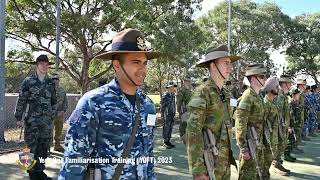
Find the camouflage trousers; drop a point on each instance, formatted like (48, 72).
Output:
(167, 127)
(223, 170)
(282, 145)
(291, 143)
(58, 125)
(266, 159)
(38, 135)
(248, 168)
(298, 131)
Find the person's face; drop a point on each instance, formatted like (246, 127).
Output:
(187, 83)
(172, 89)
(43, 67)
(286, 87)
(303, 87)
(135, 64)
(296, 97)
(275, 91)
(224, 65)
(260, 79)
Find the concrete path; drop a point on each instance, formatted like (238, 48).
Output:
(307, 166)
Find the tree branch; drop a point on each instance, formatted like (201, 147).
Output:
(20, 12)
(104, 48)
(99, 74)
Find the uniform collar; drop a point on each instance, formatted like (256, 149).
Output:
(210, 82)
(254, 92)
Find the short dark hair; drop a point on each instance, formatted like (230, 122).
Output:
(249, 78)
(118, 57)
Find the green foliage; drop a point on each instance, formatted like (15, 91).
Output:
(86, 27)
(256, 28)
(304, 46)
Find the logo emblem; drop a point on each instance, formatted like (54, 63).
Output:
(26, 160)
(141, 44)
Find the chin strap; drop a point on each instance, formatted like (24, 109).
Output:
(259, 81)
(125, 72)
(218, 70)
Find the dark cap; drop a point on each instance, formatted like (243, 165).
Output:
(43, 58)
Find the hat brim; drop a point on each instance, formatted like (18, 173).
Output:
(108, 55)
(204, 63)
(171, 86)
(50, 63)
(285, 80)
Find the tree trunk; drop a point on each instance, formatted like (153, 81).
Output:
(314, 76)
(85, 75)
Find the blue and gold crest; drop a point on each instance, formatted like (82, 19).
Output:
(26, 160)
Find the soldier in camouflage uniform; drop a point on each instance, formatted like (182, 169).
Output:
(283, 125)
(104, 118)
(183, 98)
(302, 85)
(62, 106)
(208, 110)
(168, 111)
(295, 119)
(270, 140)
(249, 117)
(37, 99)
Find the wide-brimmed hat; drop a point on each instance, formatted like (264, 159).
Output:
(285, 78)
(255, 69)
(294, 90)
(55, 76)
(170, 84)
(42, 58)
(128, 41)
(214, 53)
(302, 81)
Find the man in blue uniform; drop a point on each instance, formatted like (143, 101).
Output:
(103, 124)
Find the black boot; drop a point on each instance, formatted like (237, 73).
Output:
(43, 176)
(172, 145)
(167, 145)
(288, 157)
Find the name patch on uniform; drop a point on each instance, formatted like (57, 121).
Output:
(233, 102)
(151, 119)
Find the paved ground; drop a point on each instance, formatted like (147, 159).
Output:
(307, 166)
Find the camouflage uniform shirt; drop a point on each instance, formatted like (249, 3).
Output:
(207, 110)
(41, 97)
(62, 102)
(250, 112)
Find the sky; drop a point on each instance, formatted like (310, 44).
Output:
(289, 7)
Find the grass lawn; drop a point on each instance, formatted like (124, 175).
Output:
(155, 98)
